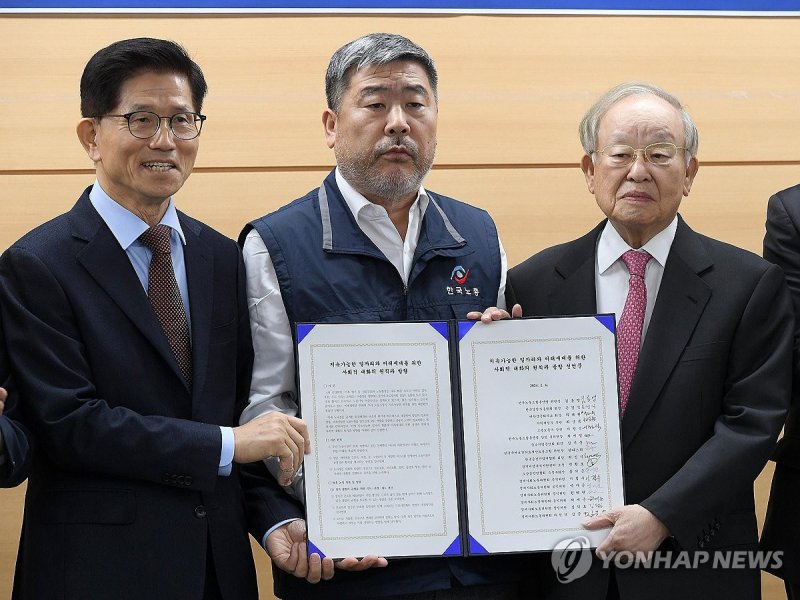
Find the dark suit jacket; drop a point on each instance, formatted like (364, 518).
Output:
(124, 499)
(15, 437)
(16, 449)
(782, 525)
(706, 404)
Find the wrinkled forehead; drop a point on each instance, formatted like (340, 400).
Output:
(395, 71)
(641, 115)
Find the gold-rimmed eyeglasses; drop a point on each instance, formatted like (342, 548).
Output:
(144, 124)
(622, 155)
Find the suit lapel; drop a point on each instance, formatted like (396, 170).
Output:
(109, 265)
(199, 277)
(574, 292)
(682, 298)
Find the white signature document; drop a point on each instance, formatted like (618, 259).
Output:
(458, 438)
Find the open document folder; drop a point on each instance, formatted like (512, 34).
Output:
(458, 438)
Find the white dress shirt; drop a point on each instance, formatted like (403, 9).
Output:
(612, 276)
(273, 384)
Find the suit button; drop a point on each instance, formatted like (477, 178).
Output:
(200, 512)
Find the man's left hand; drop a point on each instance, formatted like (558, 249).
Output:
(633, 529)
(495, 314)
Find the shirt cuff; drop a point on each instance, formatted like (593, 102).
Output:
(273, 528)
(226, 454)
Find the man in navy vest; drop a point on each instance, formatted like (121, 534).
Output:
(370, 244)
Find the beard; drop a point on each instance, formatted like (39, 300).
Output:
(359, 168)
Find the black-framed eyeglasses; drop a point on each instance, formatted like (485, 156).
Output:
(622, 155)
(144, 124)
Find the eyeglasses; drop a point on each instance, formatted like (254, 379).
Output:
(144, 124)
(622, 155)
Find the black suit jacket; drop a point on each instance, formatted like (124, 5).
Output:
(17, 452)
(15, 437)
(782, 525)
(706, 404)
(124, 499)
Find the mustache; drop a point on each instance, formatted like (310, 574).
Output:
(407, 143)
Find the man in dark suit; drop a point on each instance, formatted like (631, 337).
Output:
(704, 344)
(131, 346)
(782, 525)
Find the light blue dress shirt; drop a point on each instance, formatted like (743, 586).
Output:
(127, 227)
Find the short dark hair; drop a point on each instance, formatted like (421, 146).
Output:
(109, 68)
(369, 50)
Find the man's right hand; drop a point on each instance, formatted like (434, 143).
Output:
(286, 547)
(274, 434)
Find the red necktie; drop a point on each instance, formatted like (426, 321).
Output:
(629, 332)
(165, 297)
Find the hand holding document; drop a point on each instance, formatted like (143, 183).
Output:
(287, 548)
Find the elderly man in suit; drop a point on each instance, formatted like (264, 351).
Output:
(132, 348)
(704, 352)
(782, 525)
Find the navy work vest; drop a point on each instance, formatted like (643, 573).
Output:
(330, 271)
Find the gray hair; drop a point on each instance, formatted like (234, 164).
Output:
(591, 120)
(372, 49)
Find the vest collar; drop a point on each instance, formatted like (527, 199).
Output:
(341, 233)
